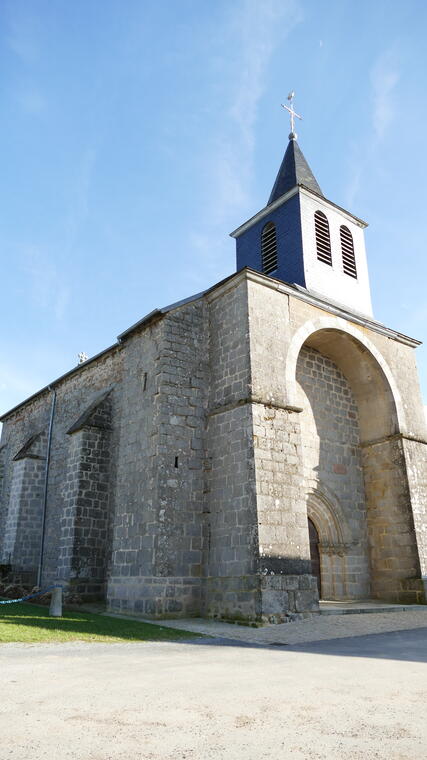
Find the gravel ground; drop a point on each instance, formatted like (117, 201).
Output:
(361, 698)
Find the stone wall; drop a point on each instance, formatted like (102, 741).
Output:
(381, 372)
(73, 395)
(232, 587)
(415, 453)
(332, 464)
(284, 552)
(84, 540)
(158, 531)
(395, 559)
(195, 501)
(18, 429)
(23, 530)
(3, 505)
(287, 586)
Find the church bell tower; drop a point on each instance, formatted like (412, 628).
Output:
(304, 239)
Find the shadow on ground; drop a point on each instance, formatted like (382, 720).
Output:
(23, 622)
(409, 645)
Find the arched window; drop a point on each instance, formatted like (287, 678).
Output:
(347, 251)
(323, 238)
(269, 248)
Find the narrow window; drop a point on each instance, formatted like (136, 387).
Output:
(176, 462)
(323, 238)
(347, 250)
(144, 381)
(269, 248)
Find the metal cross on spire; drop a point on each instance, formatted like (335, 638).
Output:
(293, 135)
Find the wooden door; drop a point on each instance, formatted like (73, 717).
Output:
(314, 553)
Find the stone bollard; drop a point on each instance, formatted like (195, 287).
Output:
(55, 609)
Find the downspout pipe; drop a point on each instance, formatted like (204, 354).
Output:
(46, 480)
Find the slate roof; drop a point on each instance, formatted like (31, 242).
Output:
(293, 171)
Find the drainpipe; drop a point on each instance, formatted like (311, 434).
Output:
(46, 478)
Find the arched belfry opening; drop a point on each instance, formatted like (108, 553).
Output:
(354, 472)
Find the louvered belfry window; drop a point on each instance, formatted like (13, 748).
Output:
(347, 250)
(269, 248)
(323, 238)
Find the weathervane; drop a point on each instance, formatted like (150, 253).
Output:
(293, 135)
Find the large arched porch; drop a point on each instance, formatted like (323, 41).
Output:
(354, 468)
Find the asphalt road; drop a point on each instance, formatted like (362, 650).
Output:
(361, 697)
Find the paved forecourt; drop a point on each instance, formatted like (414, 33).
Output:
(315, 628)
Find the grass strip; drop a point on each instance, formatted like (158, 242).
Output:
(23, 622)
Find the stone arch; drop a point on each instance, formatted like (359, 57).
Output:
(389, 528)
(380, 405)
(327, 515)
(334, 540)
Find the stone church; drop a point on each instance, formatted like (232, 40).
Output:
(240, 453)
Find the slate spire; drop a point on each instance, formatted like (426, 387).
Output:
(293, 171)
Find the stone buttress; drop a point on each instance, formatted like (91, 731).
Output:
(83, 545)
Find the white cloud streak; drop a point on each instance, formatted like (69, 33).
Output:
(31, 101)
(47, 289)
(23, 35)
(21, 384)
(384, 78)
(255, 29)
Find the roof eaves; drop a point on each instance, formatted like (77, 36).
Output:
(153, 315)
(157, 314)
(58, 380)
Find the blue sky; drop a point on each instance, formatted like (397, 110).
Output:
(137, 134)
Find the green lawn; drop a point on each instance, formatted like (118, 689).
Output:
(30, 623)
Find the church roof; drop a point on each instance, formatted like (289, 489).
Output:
(293, 171)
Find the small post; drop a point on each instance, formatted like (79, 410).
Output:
(55, 609)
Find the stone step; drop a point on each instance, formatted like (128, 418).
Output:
(363, 608)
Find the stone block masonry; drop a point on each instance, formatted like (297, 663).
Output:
(394, 552)
(415, 453)
(232, 581)
(84, 549)
(332, 464)
(158, 533)
(23, 524)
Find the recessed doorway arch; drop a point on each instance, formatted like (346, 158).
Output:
(383, 501)
(334, 544)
